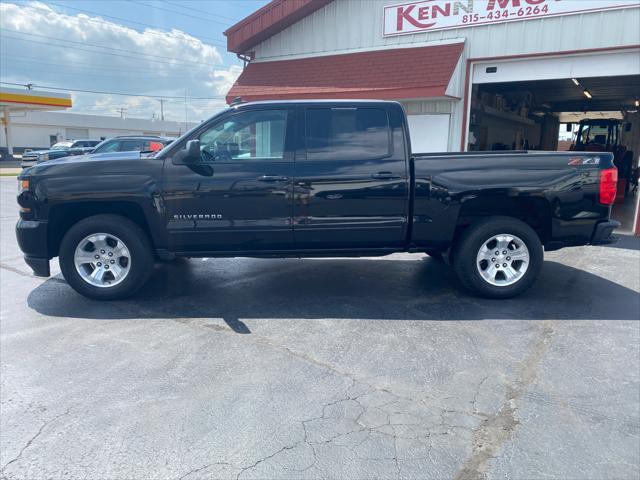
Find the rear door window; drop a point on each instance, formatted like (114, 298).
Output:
(347, 134)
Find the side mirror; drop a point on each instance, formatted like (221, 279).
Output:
(190, 154)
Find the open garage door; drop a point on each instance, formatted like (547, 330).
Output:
(527, 114)
(581, 102)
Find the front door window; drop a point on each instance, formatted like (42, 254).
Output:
(246, 136)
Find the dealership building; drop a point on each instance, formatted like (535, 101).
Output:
(472, 74)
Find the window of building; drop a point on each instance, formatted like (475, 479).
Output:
(347, 133)
(76, 133)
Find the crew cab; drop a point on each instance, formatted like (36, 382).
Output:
(58, 150)
(311, 179)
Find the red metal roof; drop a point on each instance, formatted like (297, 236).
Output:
(269, 20)
(399, 73)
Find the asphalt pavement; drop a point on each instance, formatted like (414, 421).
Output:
(321, 368)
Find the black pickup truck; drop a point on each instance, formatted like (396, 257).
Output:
(311, 179)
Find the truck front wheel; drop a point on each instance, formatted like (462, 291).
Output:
(498, 257)
(106, 257)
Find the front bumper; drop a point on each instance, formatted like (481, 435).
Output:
(32, 240)
(603, 233)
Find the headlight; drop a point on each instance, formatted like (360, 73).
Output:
(43, 156)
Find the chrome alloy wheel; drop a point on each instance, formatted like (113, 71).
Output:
(503, 260)
(102, 260)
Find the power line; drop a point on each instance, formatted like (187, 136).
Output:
(178, 12)
(100, 46)
(154, 27)
(58, 74)
(87, 65)
(84, 65)
(95, 51)
(58, 70)
(77, 90)
(201, 11)
(172, 79)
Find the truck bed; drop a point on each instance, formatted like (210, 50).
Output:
(555, 191)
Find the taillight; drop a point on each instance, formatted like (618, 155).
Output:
(608, 185)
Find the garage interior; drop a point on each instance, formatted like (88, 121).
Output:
(545, 115)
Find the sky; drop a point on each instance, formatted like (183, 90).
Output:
(145, 47)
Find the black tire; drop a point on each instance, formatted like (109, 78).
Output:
(466, 250)
(136, 242)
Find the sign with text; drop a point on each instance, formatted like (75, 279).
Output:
(432, 15)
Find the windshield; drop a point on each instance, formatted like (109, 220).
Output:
(61, 145)
(593, 133)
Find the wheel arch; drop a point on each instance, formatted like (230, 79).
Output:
(63, 216)
(534, 211)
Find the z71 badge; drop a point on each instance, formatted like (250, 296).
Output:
(198, 216)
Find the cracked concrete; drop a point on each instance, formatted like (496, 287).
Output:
(31, 440)
(370, 426)
(495, 429)
(370, 368)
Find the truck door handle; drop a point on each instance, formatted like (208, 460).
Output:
(384, 176)
(272, 178)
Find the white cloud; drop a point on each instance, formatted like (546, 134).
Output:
(171, 63)
(222, 80)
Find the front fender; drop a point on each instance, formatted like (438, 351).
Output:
(63, 192)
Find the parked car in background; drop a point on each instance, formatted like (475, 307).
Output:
(141, 143)
(58, 150)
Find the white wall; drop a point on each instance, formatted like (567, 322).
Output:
(436, 107)
(429, 133)
(32, 129)
(349, 25)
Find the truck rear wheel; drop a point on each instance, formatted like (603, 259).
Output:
(106, 257)
(498, 257)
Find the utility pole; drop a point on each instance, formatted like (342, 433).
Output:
(121, 111)
(161, 100)
(186, 115)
